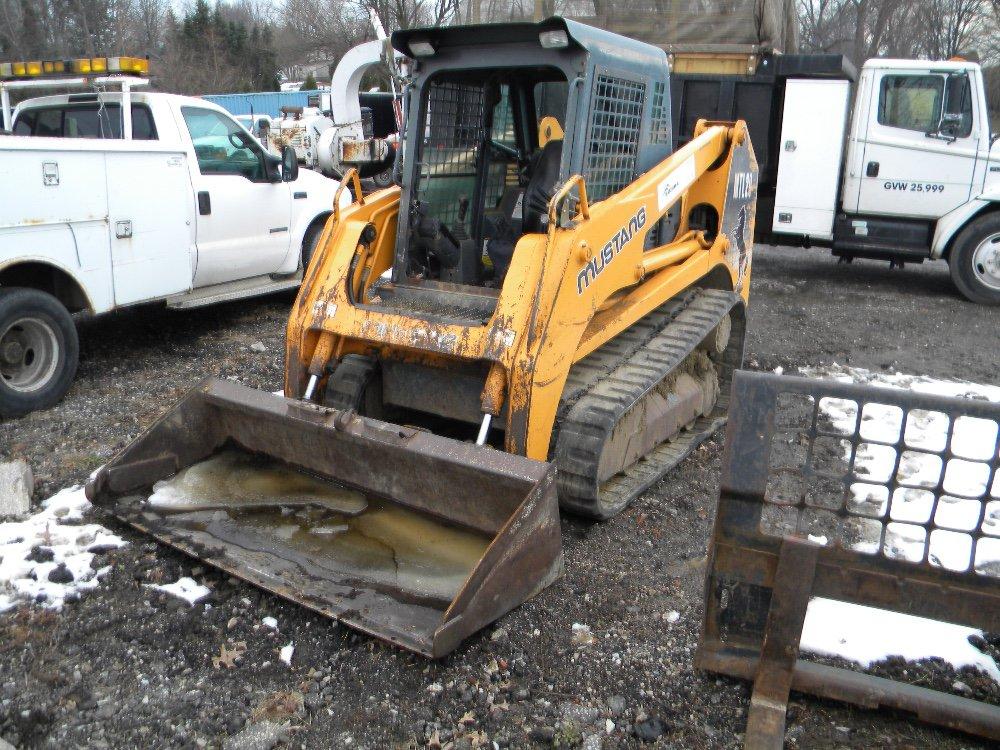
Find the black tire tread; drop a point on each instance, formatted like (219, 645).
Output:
(960, 259)
(24, 299)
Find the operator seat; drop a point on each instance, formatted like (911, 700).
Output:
(544, 171)
(501, 233)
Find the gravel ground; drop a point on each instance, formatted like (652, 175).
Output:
(123, 667)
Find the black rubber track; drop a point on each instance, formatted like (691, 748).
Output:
(605, 385)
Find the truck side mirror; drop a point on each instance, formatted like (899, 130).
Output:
(289, 164)
(951, 124)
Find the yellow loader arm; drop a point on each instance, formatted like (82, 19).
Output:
(566, 293)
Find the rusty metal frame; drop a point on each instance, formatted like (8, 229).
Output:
(759, 584)
(510, 499)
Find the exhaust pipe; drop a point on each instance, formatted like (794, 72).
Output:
(439, 539)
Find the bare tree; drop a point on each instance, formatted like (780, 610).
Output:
(951, 26)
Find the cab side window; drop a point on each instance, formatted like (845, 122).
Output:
(91, 120)
(222, 147)
(25, 124)
(911, 102)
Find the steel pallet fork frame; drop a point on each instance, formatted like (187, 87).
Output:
(760, 582)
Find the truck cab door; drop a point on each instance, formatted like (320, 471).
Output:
(920, 146)
(242, 212)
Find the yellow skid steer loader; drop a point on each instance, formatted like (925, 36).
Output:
(546, 311)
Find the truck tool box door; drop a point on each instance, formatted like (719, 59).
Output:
(908, 168)
(810, 150)
(242, 218)
(149, 216)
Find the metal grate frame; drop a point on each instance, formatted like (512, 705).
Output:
(615, 128)
(800, 488)
(449, 150)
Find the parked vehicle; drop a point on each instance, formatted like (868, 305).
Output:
(916, 176)
(186, 209)
(466, 302)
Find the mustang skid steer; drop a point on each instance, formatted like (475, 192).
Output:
(547, 278)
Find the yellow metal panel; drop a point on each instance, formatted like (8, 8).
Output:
(565, 293)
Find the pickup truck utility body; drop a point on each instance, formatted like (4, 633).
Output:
(187, 210)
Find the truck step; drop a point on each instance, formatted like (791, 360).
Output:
(233, 290)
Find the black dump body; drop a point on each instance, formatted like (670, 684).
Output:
(759, 99)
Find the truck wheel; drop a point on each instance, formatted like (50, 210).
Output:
(975, 260)
(309, 242)
(383, 180)
(39, 351)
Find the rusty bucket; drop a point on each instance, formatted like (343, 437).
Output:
(414, 538)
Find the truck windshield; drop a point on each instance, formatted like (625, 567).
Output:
(89, 120)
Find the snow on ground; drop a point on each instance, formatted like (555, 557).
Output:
(184, 588)
(867, 635)
(47, 557)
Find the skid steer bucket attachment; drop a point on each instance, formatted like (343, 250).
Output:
(416, 539)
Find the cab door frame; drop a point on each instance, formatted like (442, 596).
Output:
(908, 171)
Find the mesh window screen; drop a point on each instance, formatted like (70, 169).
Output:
(501, 173)
(453, 132)
(660, 130)
(615, 122)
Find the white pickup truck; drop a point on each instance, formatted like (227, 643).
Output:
(188, 210)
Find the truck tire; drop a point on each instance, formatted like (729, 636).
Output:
(975, 260)
(383, 179)
(309, 242)
(39, 351)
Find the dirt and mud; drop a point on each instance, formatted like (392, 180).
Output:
(128, 666)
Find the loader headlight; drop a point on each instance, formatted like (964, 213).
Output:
(555, 39)
(421, 48)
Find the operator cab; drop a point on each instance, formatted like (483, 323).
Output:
(489, 163)
(498, 117)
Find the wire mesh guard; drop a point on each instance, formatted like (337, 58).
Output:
(613, 141)
(452, 134)
(660, 126)
(900, 480)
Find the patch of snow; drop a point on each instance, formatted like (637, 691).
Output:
(778, 370)
(270, 622)
(286, 653)
(435, 688)
(582, 635)
(55, 527)
(867, 635)
(184, 588)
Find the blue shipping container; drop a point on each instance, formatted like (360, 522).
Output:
(263, 102)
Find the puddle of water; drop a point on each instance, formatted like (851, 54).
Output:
(263, 504)
(235, 479)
